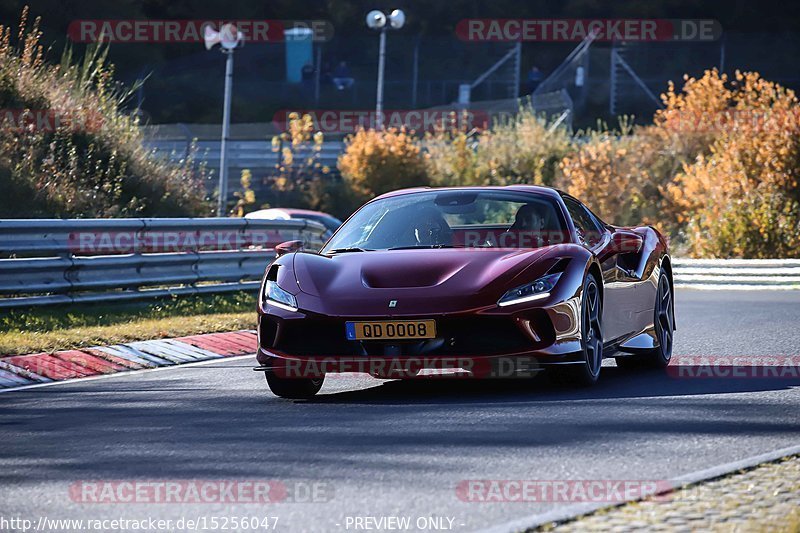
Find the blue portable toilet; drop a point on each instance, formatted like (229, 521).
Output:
(299, 52)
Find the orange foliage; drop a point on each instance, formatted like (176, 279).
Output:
(376, 162)
(743, 199)
(718, 168)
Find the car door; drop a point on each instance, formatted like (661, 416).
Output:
(619, 308)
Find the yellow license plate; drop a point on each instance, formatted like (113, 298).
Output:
(391, 330)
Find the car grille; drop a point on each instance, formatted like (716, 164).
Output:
(462, 336)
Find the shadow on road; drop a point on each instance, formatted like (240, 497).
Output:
(163, 428)
(614, 383)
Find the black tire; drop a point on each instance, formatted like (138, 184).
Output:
(587, 373)
(293, 388)
(664, 325)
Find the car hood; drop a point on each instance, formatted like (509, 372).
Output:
(431, 281)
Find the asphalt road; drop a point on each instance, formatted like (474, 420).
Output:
(380, 449)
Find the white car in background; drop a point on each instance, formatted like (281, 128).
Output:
(280, 213)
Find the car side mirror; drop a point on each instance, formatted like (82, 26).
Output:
(288, 247)
(626, 242)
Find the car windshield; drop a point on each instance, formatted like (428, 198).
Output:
(452, 219)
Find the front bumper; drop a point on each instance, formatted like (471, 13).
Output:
(484, 343)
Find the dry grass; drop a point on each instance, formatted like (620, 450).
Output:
(91, 161)
(43, 330)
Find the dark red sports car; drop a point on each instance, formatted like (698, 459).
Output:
(483, 281)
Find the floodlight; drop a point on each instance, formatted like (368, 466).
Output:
(376, 20)
(397, 19)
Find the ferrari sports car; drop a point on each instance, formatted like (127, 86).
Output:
(488, 282)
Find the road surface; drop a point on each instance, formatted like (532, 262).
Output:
(374, 450)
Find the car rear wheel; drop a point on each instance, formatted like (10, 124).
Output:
(664, 327)
(588, 371)
(293, 388)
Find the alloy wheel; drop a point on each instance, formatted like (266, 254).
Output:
(593, 334)
(665, 318)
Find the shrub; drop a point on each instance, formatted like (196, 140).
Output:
(246, 198)
(525, 148)
(450, 156)
(298, 161)
(743, 198)
(90, 161)
(625, 174)
(375, 162)
(300, 179)
(607, 173)
(718, 168)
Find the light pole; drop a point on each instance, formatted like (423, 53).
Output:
(228, 38)
(376, 20)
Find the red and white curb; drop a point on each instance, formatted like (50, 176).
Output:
(35, 369)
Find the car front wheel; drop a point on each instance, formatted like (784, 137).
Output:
(587, 372)
(293, 388)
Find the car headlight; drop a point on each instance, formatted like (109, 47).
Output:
(279, 297)
(537, 290)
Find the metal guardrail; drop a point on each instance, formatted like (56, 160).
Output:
(94, 260)
(110, 260)
(738, 274)
(241, 153)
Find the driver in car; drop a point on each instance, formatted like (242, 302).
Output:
(527, 229)
(431, 229)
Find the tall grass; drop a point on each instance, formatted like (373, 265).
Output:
(89, 159)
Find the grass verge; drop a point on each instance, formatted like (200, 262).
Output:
(77, 326)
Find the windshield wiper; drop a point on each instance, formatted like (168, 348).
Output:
(347, 250)
(425, 246)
